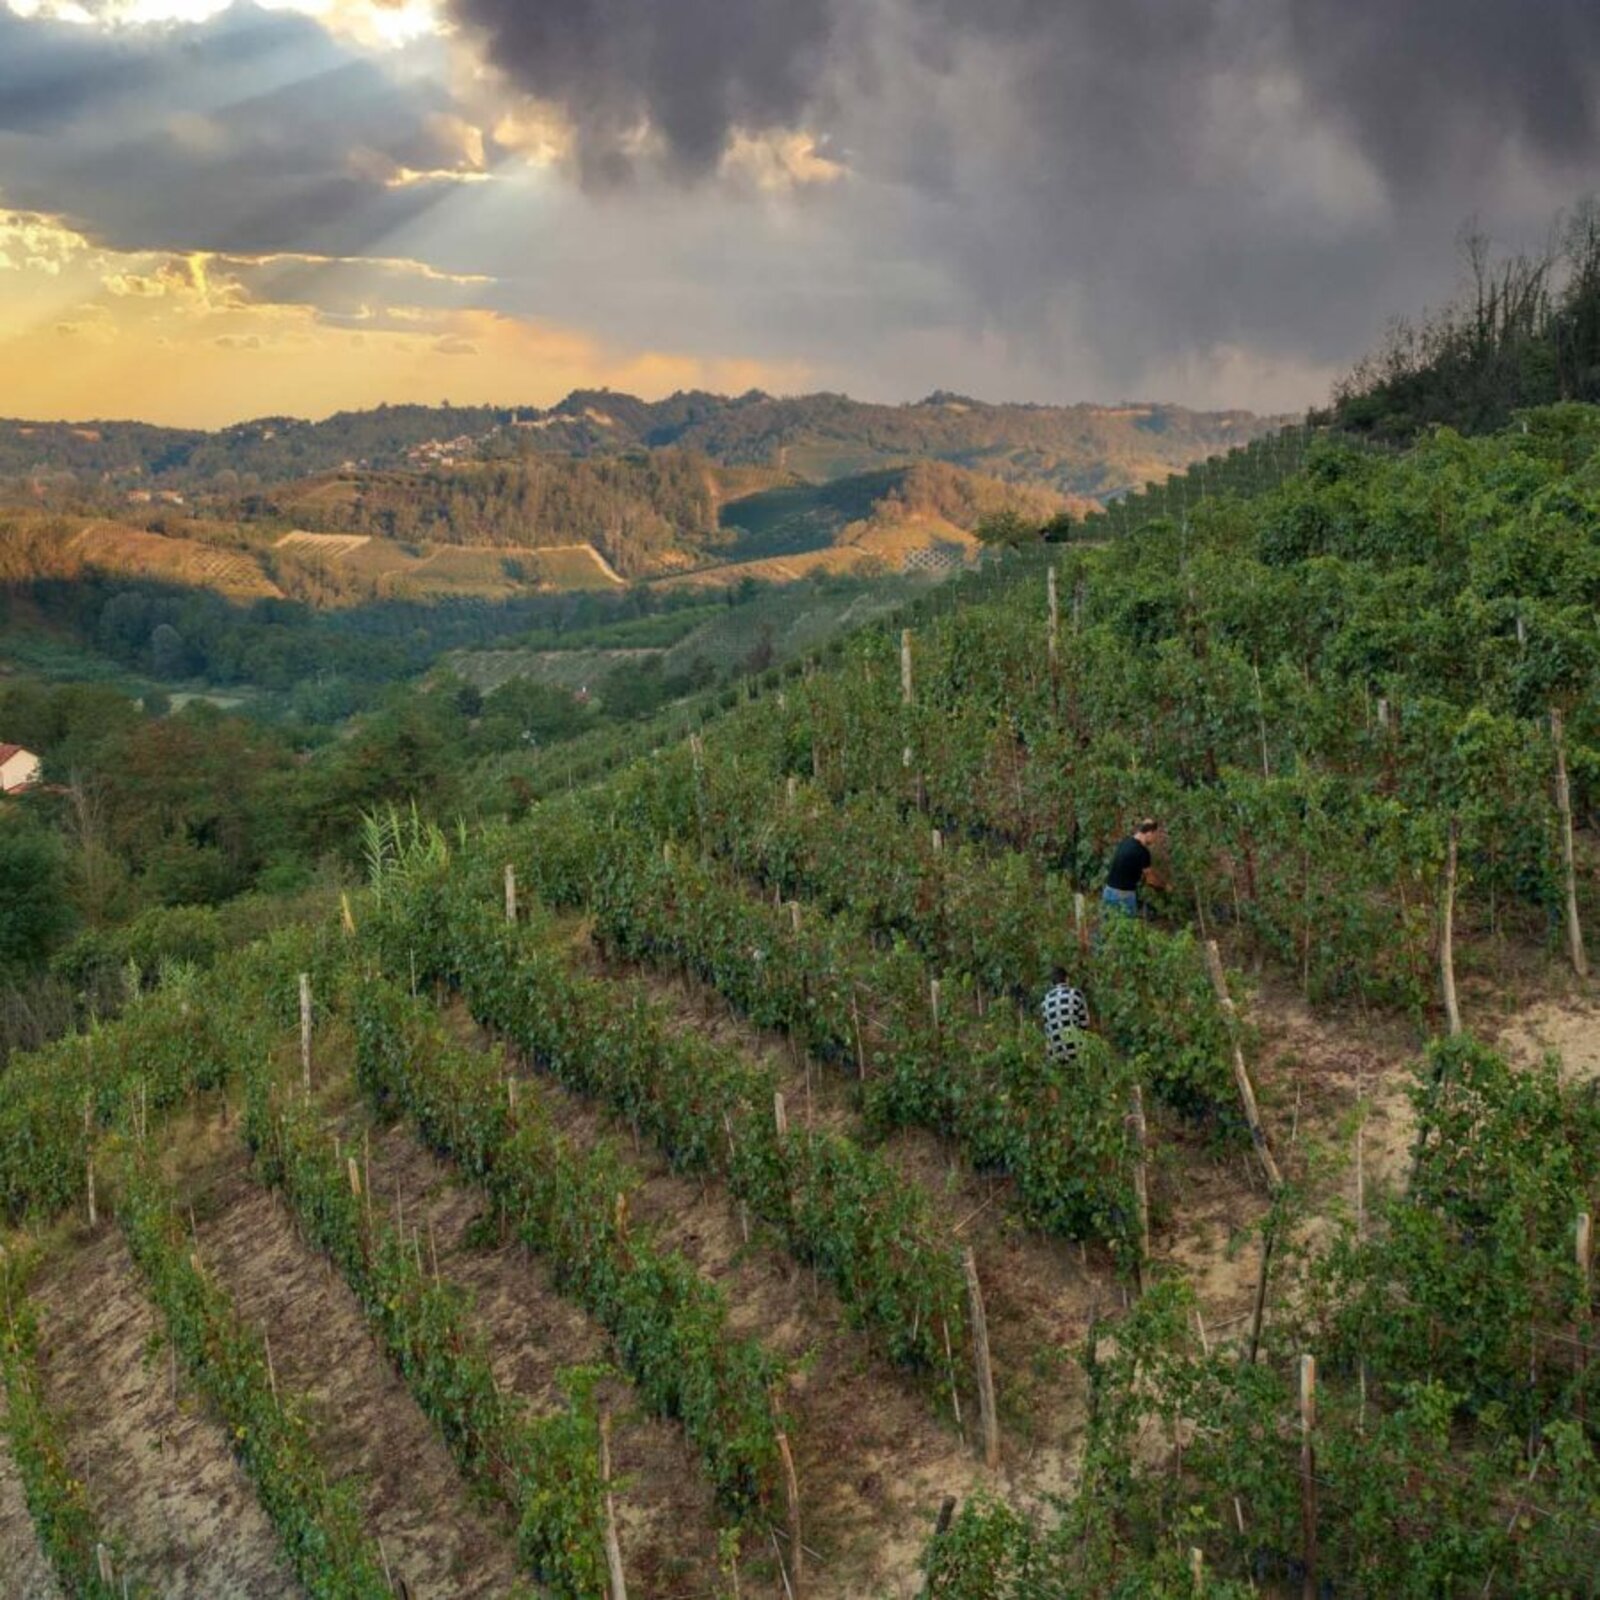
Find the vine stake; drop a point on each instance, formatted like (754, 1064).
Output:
(987, 1417)
(1141, 1186)
(305, 1031)
(1241, 1075)
(791, 1495)
(1447, 931)
(1308, 1481)
(1583, 1252)
(1575, 952)
(619, 1587)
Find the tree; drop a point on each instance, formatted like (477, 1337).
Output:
(1007, 527)
(168, 657)
(33, 914)
(525, 711)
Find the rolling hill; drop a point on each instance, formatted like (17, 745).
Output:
(1082, 449)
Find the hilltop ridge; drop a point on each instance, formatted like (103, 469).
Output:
(1075, 449)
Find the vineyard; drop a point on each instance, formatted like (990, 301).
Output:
(669, 1191)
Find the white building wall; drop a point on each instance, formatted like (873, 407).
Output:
(18, 770)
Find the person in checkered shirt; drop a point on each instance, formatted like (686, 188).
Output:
(1066, 1017)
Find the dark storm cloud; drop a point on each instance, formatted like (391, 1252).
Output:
(692, 68)
(1408, 79)
(1431, 81)
(253, 132)
(1131, 182)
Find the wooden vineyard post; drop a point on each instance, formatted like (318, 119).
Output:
(780, 1116)
(305, 1030)
(1583, 1251)
(1261, 722)
(1247, 1097)
(933, 1005)
(791, 789)
(1241, 1074)
(1080, 920)
(989, 1421)
(1197, 1571)
(1575, 951)
(1447, 931)
(619, 1587)
(1141, 1185)
(88, 1164)
(1308, 1476)
(1054, 604)
(905, 665)
(511, 893)
(791, 1497)
(1361, 1222)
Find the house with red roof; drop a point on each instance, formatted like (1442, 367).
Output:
(18, 768)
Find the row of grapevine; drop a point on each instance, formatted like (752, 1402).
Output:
(987, 912)
(319, 1524)
(1246, 470)
(1307, 814)
(835, 1206)
(68, 1533)
(985, 1081)
(669, 1325)
(546, 1469)
(192, 1035)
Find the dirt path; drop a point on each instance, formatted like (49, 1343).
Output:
(28, 1574)
(667, 1518)
(366, 1423)
(157, 1469)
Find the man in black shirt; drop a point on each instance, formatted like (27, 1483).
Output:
(1130, 867)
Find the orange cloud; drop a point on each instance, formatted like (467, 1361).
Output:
(184, 339)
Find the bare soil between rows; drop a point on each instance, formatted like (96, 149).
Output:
(365, 1423)
(155, 1464)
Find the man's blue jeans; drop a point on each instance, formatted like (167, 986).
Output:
(1125, 900)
